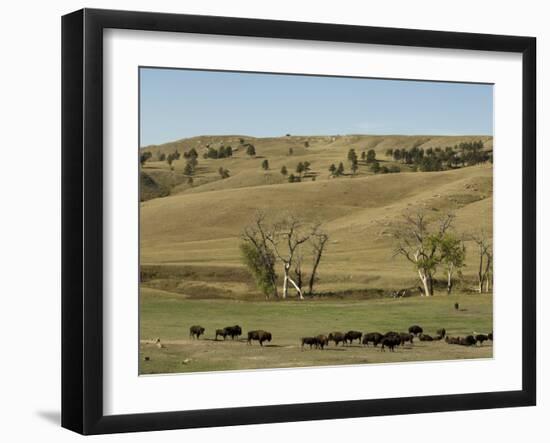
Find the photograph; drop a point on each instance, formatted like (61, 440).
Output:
(303, 221)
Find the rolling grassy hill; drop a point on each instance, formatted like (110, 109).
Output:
(197, 227)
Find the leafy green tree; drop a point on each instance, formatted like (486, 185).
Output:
(251, 150)
(306, 144)
(260, 261)
(354, 166)
(452, 254)
(300, 168)
(340, 170)
(389, 153)
(284, 171)
(375, 167)
(332, 169)
(290, 151)
(265, 165)
(352, 156)
(363, 155)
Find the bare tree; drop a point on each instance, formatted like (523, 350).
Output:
(286, 237)
(418, 243)
(318, 241)
(485, 256)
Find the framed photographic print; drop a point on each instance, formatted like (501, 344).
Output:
(269, 221)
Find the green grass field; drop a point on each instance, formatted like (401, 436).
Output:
(169, 317)
(193, 273)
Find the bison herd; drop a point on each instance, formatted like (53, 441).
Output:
(389, 340)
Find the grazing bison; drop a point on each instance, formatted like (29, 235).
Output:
(415, 330)
(311, 341)
(220, 332)
(480, 338)
(259, 335)
(441, 333)
(452, 340)
(233, 331)
(353, 335)
(469, 340)
(425, 337)
(337, 337)
(490, 336)
(456, 306)
(391, 340)
(196, 331)
(321, 341)
(406, 338)
(374, 337)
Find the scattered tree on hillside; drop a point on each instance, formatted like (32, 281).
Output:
(188, 169)
(332, 169)
(265, 165)
(375, 167)
(161, 156)
(300, 169)
(307, 167)
(190, 181)
(354, 166)
(144, 156)
(371, 156)
(306, 144)
(363, 155)
(340, 170)
(389, 152)
(284, 171)
(250, 150)
(352, 156)
(290, 151)
(224, 173)
(293, 179)
(418, 242)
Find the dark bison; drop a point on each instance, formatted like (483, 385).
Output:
(353, 335)
(196, 331)
(221, 333)
(259, 335)
(490, 336)
(390, 340)
(469, 340)
(233, 331)
(441, 333)
(425, 337)
(311, 341)
(406, 338)
(337, 337)
(480, 338)
(322, 341)
(372, 337)
(457, 306)
(415, 330)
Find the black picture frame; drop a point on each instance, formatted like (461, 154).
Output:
(82, 218)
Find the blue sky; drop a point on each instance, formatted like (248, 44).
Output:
(179, 103)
